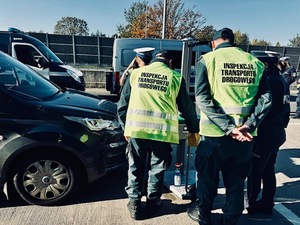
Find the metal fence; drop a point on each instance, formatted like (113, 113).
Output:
(293, 53)
(95, 50)
(79, 49)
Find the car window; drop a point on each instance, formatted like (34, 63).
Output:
(24, 81)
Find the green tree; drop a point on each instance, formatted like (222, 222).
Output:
(260, 42)
(147, 21)
(277, 44)
(241, 38)
(71, 26)
(98, 33)
(181, 22)
(206, 33)
(133, 16)
(295, 42)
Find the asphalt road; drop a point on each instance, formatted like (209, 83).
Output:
(104, 202)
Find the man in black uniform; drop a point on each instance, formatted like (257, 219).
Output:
(271, 135)
(287, 70)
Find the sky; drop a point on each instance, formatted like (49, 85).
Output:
(270, 20)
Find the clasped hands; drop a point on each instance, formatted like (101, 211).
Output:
(241, 134)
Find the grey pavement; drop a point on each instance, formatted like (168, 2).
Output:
(104, 202)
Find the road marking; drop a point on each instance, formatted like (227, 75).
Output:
(284, 211)
(281, 179)
(294, 123)
(296, 161)
(288, 214)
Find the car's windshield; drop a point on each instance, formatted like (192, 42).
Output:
(49, 54)
(46, 52)
(19, 78)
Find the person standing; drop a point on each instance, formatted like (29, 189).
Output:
(289, 74)
(233, 97)
(271, 135)
(143, 58)
(287, 70)
(148, 113)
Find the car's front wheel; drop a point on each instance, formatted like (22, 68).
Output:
(46, 179)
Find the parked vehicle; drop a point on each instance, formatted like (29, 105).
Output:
(38, 56)
(123, 54)
(53, 139)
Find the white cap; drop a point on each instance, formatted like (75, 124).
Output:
(284, 58)
(273, 54)
(262, 53)
(144, 53)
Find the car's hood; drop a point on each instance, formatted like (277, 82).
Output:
(78, 103)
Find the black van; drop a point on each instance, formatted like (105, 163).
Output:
(39, 57)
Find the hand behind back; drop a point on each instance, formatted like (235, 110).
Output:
(241, 134)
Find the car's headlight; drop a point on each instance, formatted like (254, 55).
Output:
(95, 124)
(74, 75)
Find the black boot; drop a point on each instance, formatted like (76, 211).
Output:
(198, 216)
(3, 197)
(152, 205)
(264, 207)
(134, 207)
(225, 221)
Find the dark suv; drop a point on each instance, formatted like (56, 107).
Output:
(52, 140)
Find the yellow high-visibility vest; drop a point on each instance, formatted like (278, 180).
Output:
(234, 77)
(152, 111)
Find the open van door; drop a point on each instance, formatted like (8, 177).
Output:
(191, 52)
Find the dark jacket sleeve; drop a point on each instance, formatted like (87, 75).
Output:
(123, 103)
(279, 114)
(187, 109)
(263, 104)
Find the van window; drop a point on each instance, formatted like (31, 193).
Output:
(127, 57)
(128, 54)
(27, 55)
(49, 54)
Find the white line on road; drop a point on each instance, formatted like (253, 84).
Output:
(288, 214)
(294, 124)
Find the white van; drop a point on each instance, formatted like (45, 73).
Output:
(39, 57)
(123, 54)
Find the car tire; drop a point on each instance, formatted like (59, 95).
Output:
(46, 179)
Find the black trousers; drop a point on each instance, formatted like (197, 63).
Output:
(232, 159)
(263, 161)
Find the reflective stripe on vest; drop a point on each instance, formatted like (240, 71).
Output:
(162, 115)
(149, 125)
